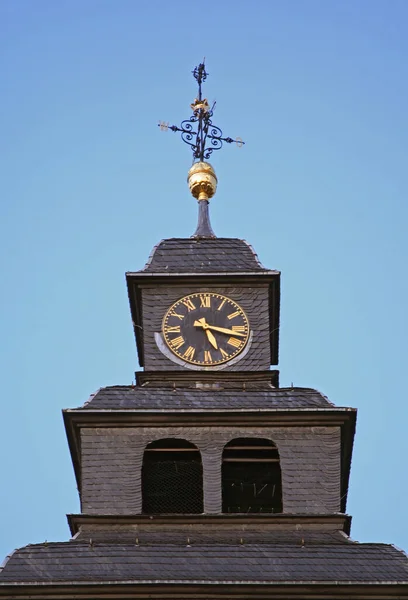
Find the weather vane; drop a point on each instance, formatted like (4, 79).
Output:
(198, 131)
(203, 137)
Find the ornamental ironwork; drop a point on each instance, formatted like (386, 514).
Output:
(198, 131)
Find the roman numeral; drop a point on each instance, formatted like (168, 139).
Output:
(205, 301)
(224, 354)
(169, 329)
(174, 314)
(177, 342)
(234, 314)
(189, 353)
(207, 356)
(234, 342)
(187, 302)
(239, 328)
(222, 304)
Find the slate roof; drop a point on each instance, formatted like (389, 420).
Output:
(213, 535)
(205, 255)
(158, 398)
(80, 562)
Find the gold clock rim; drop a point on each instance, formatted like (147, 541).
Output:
(204, 364)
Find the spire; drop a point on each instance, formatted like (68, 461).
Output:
(204, 137)
(202, 182)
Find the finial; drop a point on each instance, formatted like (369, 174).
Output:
(206, 132)
(202, 182)
(199, 132)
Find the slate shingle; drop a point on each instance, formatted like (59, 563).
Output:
(79, 562)
(211, 536)
(159, 398)
(189, 255)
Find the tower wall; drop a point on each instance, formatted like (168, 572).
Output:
(254, 300)
(112, 462)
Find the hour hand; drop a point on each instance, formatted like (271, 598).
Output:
(211, 339)
(202, 323)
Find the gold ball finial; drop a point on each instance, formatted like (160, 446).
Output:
(202, 181)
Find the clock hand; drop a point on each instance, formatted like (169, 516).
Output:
(202, 323)
(223, 330)
(211, 339)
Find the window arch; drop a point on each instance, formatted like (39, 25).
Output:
(251, 477)
(172, 477)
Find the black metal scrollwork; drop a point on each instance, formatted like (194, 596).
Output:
(205, 130)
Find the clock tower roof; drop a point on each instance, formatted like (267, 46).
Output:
(204, 255)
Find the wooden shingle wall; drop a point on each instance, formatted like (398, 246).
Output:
(112, 461)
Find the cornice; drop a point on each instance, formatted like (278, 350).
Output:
(301, 522)
(216, 590)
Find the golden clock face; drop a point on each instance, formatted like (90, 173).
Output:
(205, 329)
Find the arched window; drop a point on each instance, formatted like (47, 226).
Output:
(251, 477)
(172, 477)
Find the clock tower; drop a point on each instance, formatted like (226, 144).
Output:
(205, 304)
(206, 479)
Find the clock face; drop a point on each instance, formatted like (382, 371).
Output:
(205, 329)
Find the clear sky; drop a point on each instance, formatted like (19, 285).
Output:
(318, 89)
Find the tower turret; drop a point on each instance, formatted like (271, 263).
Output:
(206, 479)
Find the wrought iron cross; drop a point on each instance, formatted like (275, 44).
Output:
(198, 131)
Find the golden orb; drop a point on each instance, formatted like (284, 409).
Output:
(202, 181)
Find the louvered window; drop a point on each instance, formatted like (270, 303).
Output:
(251, 477)
(172, 478)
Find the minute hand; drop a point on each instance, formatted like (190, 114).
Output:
(223, 330)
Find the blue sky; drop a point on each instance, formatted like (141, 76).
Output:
(318, 90)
